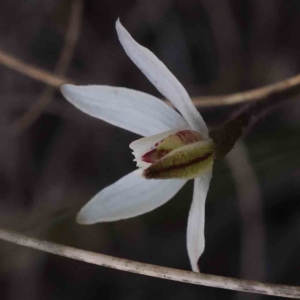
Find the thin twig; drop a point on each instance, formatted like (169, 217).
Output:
(250, 200)
(152, 270)
(71, 38)
(285, 88)
(31, 71)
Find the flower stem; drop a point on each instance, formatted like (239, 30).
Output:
(226, 136)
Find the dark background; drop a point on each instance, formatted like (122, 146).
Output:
(49, 169)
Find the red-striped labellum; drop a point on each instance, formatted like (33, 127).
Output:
(181, 154)
(186, 162)
(170, 143)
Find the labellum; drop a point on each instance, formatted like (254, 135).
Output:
(183, 155)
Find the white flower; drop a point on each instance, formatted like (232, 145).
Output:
(175, 147)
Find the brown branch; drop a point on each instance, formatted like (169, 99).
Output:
(63, 63)
(31, 71)
(250, 201)
(152, 270)
(283, 89)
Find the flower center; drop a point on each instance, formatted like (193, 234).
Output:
(170, 143)
(186, 162)
(181, 154)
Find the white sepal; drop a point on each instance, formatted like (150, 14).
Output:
(160, 76)
(132, 110)
(130, 196)
(196, 219)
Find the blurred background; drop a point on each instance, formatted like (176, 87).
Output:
(53, 158)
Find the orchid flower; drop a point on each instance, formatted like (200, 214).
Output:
(174, 148)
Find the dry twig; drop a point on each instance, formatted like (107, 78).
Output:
(283, 89)
(71, 38)
(152, 270)
(31, 71)
(250, 200)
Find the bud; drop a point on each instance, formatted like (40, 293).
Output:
(186, 162)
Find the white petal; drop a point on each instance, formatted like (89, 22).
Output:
(143, 145)
(129, 109)
(162, 79)
(195, 228)
(130, 196)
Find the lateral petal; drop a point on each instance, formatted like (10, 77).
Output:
(130, 196)
(160, 76)
(196, 219)
(129, 109)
